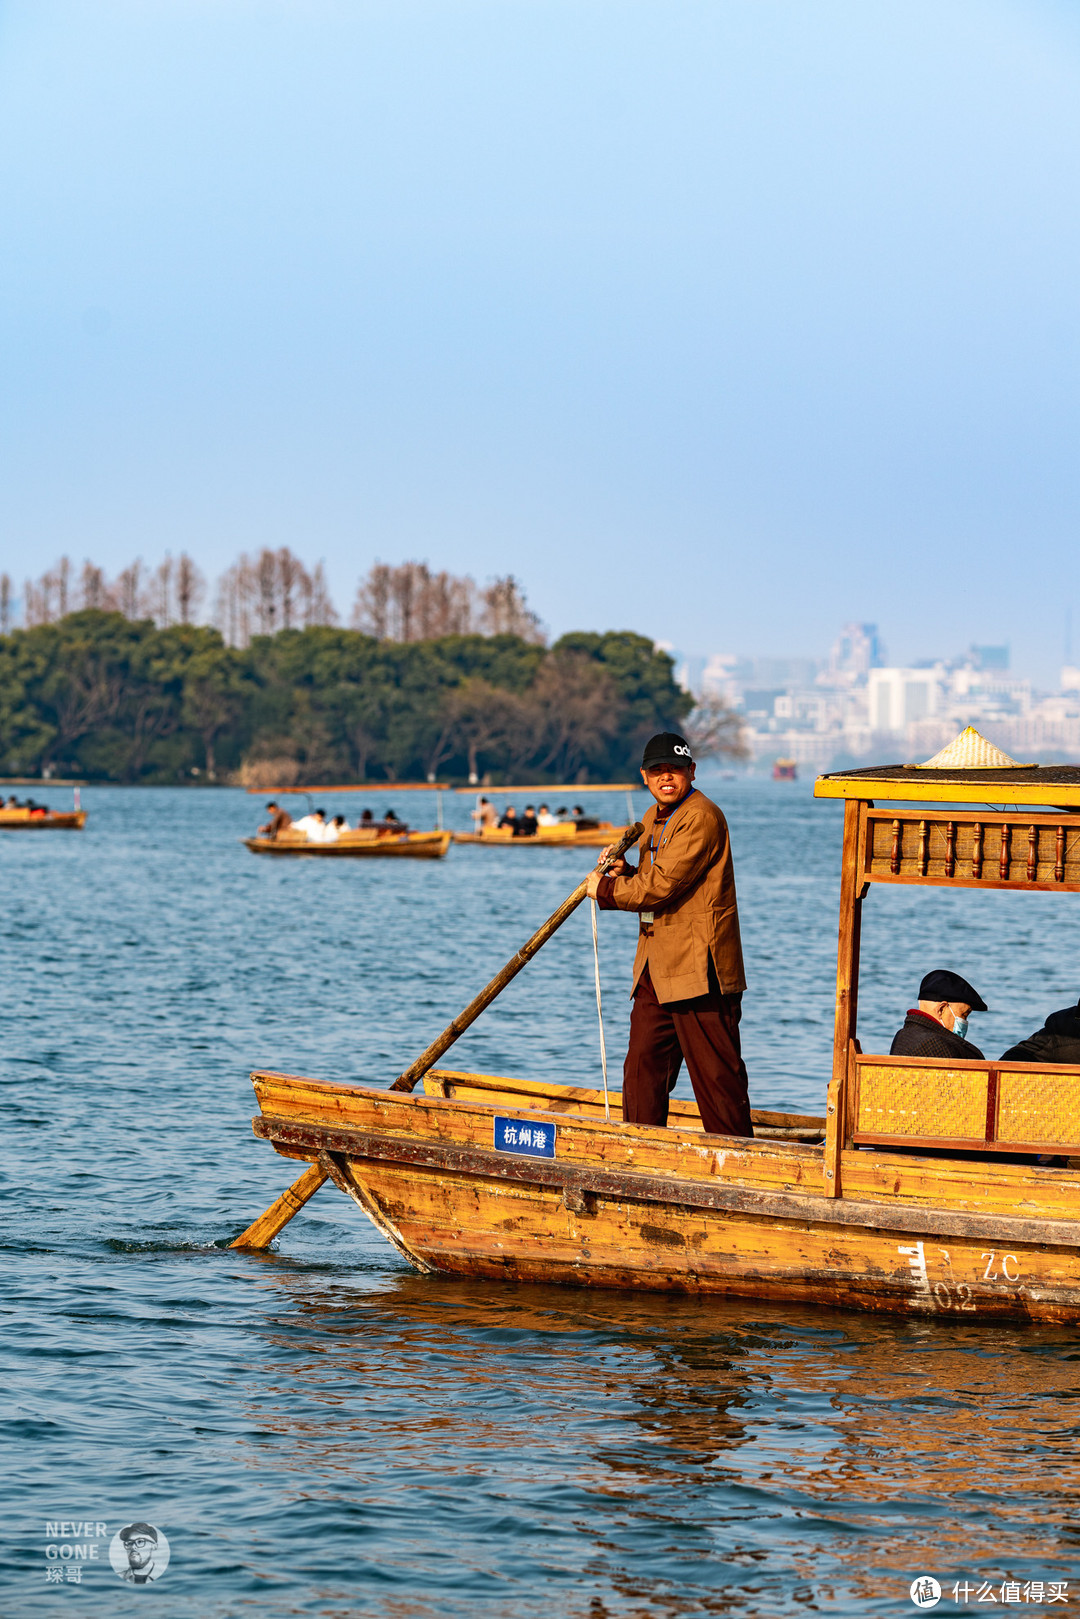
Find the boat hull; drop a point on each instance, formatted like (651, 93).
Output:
(405, 845)
(555, 838)
(677, 1210)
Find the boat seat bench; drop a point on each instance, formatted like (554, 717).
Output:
(990, 1107)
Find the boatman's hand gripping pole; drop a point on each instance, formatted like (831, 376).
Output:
(261, 1233)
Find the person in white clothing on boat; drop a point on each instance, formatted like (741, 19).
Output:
(313, 826)
(544, 817)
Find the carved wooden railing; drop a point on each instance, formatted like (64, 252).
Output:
(964, 850)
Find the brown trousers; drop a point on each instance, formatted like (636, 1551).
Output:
(704, 1031)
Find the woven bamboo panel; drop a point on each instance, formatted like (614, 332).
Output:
(1039, 1108)
(936, 1103)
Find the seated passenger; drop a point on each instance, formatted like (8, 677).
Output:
(1057, 1041)
(509, 818)
(279, 820)
(544, 817)
(527, 826)
(583, 822)
(485, 815)
(337, 826)
(313, 826)
(366, 821)
(937, 1026)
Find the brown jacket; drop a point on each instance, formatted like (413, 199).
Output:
(690, 888)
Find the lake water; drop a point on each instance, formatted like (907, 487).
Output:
(320, 1431)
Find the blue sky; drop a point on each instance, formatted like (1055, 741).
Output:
(726, 322)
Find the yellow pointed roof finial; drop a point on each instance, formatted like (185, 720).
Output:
(970, 751)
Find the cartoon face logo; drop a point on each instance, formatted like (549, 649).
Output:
(139, 1553)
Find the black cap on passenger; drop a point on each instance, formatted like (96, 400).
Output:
(666, 748)
(946, 986)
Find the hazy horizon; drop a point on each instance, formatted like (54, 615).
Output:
(727, 323)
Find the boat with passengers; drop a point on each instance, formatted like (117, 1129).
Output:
(565, 831)
(388, 838)
(925, 1186)
(29, 816)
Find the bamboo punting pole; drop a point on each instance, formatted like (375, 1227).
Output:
(428, 1058)
(261, 1232)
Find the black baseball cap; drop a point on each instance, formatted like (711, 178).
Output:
(946, 986)
(666, 748)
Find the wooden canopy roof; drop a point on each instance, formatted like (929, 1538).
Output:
(1056, 785)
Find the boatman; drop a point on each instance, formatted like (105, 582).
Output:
(688, 971)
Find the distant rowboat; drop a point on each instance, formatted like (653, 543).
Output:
(358, 845)
(24, 820)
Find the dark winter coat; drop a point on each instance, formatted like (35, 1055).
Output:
(924, 1036)
(1057, 1041)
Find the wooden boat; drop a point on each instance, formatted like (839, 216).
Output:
(925, 1187)
(567, 834)
(24, 820)
(785, 770)
(358, 845)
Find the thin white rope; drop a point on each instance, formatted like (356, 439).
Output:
(600, 1011)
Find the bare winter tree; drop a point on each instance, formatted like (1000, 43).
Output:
(233, 607)
(715, 731)
(371, 610)
(190, 589)
(507, 613)
(92, 589)
(62, 577)
(316, 606)
(410, 603)
(130, 592)
(160, 594)
(5, 604)
(271, 592)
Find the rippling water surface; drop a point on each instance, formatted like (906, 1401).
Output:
(320, 1431)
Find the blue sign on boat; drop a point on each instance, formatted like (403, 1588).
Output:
(533, 1140)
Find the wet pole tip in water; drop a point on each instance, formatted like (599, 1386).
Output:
(261, 1232)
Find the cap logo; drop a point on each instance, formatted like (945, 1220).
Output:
(684, 753)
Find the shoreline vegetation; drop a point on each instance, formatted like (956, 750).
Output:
(436, 679)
